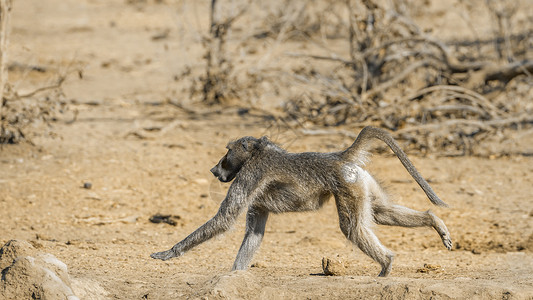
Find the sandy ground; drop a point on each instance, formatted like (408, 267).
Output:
(104, 234)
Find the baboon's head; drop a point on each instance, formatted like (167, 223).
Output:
(239, 152)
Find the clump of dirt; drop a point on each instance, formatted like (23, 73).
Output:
(13, 249)
(427, 268)
(30, 274)
(229, 286)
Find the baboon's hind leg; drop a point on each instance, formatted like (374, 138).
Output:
(397, 215)
(354, 219)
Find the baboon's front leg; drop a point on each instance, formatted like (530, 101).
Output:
(211, 228)
(228, 212)
(255, 229)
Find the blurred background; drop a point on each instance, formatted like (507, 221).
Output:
(453, 78)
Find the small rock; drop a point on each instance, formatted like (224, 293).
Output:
(333, 267)
(87, 185)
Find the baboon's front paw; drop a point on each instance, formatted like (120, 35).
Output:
(447, 241)
(164, 255)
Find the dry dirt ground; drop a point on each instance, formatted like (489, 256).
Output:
(143, 158)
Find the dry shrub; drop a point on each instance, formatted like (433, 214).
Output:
(19, 113)
(399, 78)
(435, 96)
(23, 117)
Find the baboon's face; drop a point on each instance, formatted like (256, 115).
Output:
(239, 152)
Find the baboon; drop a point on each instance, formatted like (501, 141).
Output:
(268, 179)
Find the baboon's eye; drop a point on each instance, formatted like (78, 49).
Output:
(224, 163)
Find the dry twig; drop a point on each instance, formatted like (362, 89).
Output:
(5, 16)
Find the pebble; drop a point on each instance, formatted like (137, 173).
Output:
(333, 267)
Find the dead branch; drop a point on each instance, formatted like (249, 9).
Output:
(484, 125)
(503, 11)
(5, 16)
(358, 43)
(506, 73)
(475, 97)
(458, 108)
(321, 57)
(57, 85)
(453, 64)
(218, 67)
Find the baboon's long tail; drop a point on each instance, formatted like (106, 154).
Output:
(358, 147)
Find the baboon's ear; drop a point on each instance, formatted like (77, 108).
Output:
(251, 144)
(248, 145)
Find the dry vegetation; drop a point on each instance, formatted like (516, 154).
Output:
(18, 111)
(437, 96)
(370, 64)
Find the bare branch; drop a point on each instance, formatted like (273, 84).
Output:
(477, 98)
(510, 71)
(42, 89)
(453, 64)
(5, 16)
(320, 57)
(484, 125)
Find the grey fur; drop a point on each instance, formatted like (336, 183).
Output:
(269, 179)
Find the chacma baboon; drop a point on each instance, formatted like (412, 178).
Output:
(269, 179)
